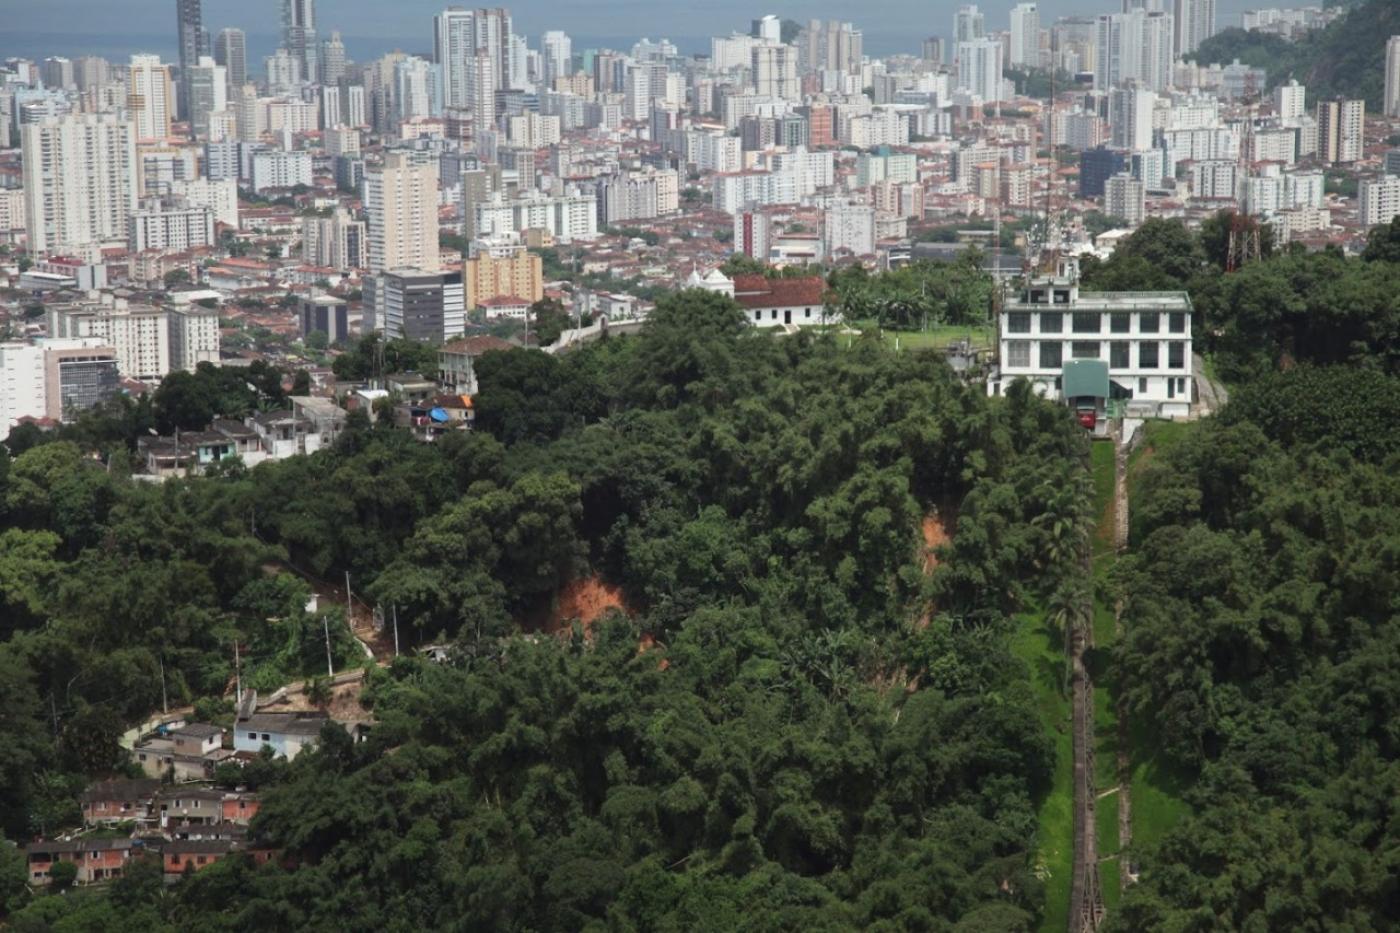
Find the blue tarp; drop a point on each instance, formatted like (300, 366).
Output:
(437, 414)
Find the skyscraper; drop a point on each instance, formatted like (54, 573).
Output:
(980, 68)
(401, 203)
(558, 51)
(150, 96)
(333, 62)
(968, 25)
(1025, 36)
(1133, 46)
(231, 51)
(79, 181)
(207, 85)
(1339, 130)
(1391, 101)
(454, 43)
(299, 36)
(190, 25)
(1195, 23)
(774, 71)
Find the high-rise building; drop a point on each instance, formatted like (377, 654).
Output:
(1025, 36)
(299, 35)
(190, 26)
(140, 334)
(55, 378)
(1134, 46)
(57, 73)
(207, 87)
(335, 242)
(231, 51)
(1339, 130)
(150, 96)
(415, 90)
(969, 25)
(334, 65)
(1391, 100)
(79, 181)
(774, 71)
(454, 44)
(91, 72)
(830, 45)
(768, 29)
(1126, 197)
(1289, 101)
(170, 229)
(932, 50)
(401, 202)
(417, 304)
(284, 72)
(558, 51)
(1194, 24)
(1130, 117)
(516, 275)
(1379, 200)
(980, 68)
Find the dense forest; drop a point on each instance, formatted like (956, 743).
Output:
(800, 716)
(1345, 59)
(795, 725)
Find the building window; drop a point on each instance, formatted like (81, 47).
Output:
(1148, 322)
(1118, 354)
(1147, 355)
(1142, 384)
(252, 735)
(1052, 354)
(1176, 322)
(1087, 322)
(1018, 353)
(758, 315)
(1120, 322)
(1018, 322)
(1085, 350)
(1176, 355)
(1052, 322)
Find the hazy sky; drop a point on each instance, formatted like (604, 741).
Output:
(35, 27)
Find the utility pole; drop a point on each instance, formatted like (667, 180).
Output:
(237, 677)
(396, 630)
(326, 626)
(164, 701)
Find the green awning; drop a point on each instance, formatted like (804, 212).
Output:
(1084, 379)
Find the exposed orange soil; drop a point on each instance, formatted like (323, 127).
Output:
(585, 599)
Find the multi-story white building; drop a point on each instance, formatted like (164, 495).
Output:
(12, 220)
(276, 168)
(1290, 100)
(980, 68)
(54, 378)
(884, 165)
(170, 229)
(1025, 36)
(1126, 197)
(532, 131)
(79, 181)
(194, 337)
(557, 52)
(401, 203)
(567, 217)
(150, 96)
(1130, 117)
(1379, 200)
(714, 151)
(638, 196)
(335, 242)
(1134, 46)
(140, 334)
(1145, 337)
(773, 71)
(1215, 180)
(1391, 99)
(1194, 23)
(1340, 125)
(848, 225)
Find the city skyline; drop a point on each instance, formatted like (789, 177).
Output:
(370, 27)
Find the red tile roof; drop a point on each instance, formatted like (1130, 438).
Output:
(758, 291)
(475, 346)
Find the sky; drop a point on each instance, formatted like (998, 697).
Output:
(35, 28)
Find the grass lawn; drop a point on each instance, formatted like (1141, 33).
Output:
(1042, 650)
(1160, 436)
(936, 337)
